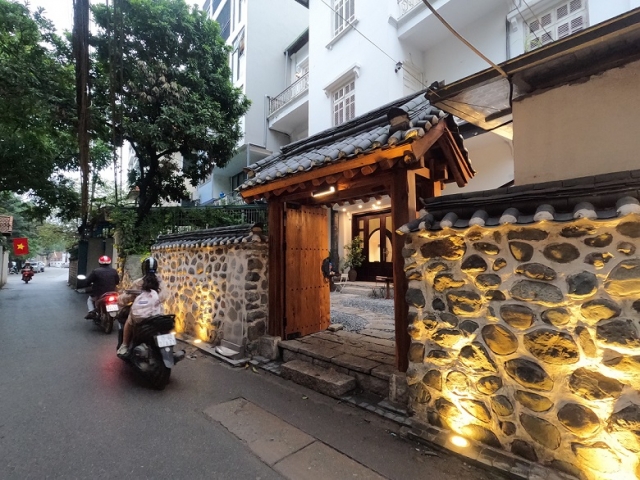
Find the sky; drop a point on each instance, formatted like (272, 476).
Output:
(60, 12)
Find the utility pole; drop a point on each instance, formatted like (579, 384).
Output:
(81, 54)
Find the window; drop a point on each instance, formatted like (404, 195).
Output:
(344, 14)
(344, 103)
(238, 180)
(224, 20)
(561, 21)
(237, 64)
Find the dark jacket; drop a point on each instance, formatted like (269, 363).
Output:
(104, 279)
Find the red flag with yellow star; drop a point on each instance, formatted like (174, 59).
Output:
(20, 246)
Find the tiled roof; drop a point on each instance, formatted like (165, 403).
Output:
(245, 233)
(599, 197)
(364, 134)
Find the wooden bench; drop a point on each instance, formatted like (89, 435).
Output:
(387, 281)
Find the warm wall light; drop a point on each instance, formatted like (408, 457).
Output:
(359, 206)
(459, 441)
(379, 202)
(344, 209)
(326, 192)
(197, 340)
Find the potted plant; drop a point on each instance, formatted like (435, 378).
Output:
(354, 257)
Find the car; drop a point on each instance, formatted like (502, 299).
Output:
(39, 267)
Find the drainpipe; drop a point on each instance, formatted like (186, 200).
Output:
(266, 120)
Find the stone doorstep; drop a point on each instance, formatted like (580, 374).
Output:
(327, 381)
(352, 362)
(478, 454)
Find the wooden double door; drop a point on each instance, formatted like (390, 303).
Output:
(376, 232)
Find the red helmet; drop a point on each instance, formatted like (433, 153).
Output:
(104, 260)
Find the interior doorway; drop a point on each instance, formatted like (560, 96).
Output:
(376, 231)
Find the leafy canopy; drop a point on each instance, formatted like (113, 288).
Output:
(37, 110)
(175, 98)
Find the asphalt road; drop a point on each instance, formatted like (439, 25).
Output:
(69, 408)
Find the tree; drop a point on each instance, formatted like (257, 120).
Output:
(37, 110)
(175, 94)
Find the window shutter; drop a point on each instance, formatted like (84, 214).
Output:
(563, 20)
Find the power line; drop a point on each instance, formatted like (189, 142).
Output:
(532, 13)
(525, 22)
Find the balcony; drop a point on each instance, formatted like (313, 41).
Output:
(290, 93)
(289, 111)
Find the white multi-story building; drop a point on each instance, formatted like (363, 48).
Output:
(259, 33)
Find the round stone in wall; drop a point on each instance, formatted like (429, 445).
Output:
(438, 305)
(448, 319)
(508, 428)
(446, 337)
(499, 264)
(476, 357)
(533, 401)
(597, 456)
(619, 333)
(450, 248)
(624, 279)
(626, 248)
(534, 234)
(624, 425)
(543, 432)
(577, 231)
(561, 252)
(626, 364)
(582, 284)
(457, 382)
(629, 229)
(517, 316)
(433, 379)
(600, 241)
(422, 395)
(598, 259)
(487, 248)
(489, 385)
(599, 309)
(536, 271)
(501, 406)
(464, 302)
(445, 281)
(438, 357)
(481, 434)
(552, 346)
(499, 340)
(521, 251)
(447, 411)
(528, 374)
(557, 317)
(578, 419)
(474, 263)
(495, 296)
(536, 292)
(435, 267)
(488, 280)
(524, 449)
(476, 409)
(591, 385)
(415, 297)
(468, 327)
(586, 342)
(416, 352)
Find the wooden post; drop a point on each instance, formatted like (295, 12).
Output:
(403, 209)
(276, 268)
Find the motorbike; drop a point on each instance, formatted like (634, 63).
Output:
(106, 311)
(27, 275)
(13, 270)
(151, 352)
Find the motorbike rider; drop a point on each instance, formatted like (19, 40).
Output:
(152, 292)
(27, 269)
(104, 279)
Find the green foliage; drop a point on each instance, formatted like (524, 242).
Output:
(136, 240)
(176, 97)
(37, 111)
(354, 255)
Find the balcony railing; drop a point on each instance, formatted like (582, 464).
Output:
(291, 92)
(407, 5)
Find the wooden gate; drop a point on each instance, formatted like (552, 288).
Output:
(307, 307)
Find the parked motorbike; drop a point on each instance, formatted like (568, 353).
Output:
(27, 275)
(13, 270)
(151, 351)
(106, 311)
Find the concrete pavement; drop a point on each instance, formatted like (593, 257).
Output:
(70, 409)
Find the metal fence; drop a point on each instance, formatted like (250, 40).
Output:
(186, 219)
(292, 91)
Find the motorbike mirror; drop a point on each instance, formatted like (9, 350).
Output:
(81, 277)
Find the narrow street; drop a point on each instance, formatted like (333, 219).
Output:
(69, 408)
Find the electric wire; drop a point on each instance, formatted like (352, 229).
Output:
(525, 25)
(534, 15)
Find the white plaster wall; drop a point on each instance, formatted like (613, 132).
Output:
(492, 158)
(377, 83)
(271, 26)
(576, 130)
(451, 60)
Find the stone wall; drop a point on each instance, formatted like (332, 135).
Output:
(218, 289)
(527, 337)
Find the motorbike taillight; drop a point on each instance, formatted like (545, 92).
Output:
(112, 299)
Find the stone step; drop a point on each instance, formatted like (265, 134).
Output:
(323, 380)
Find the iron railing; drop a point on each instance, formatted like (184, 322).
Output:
(186, 219)
(291, 92)
(407, 5)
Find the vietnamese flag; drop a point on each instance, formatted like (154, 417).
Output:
(20, 246)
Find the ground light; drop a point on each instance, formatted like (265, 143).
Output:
(197, 340)
(459, 441)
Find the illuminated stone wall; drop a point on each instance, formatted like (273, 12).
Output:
(527, 338)
(217, 292)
